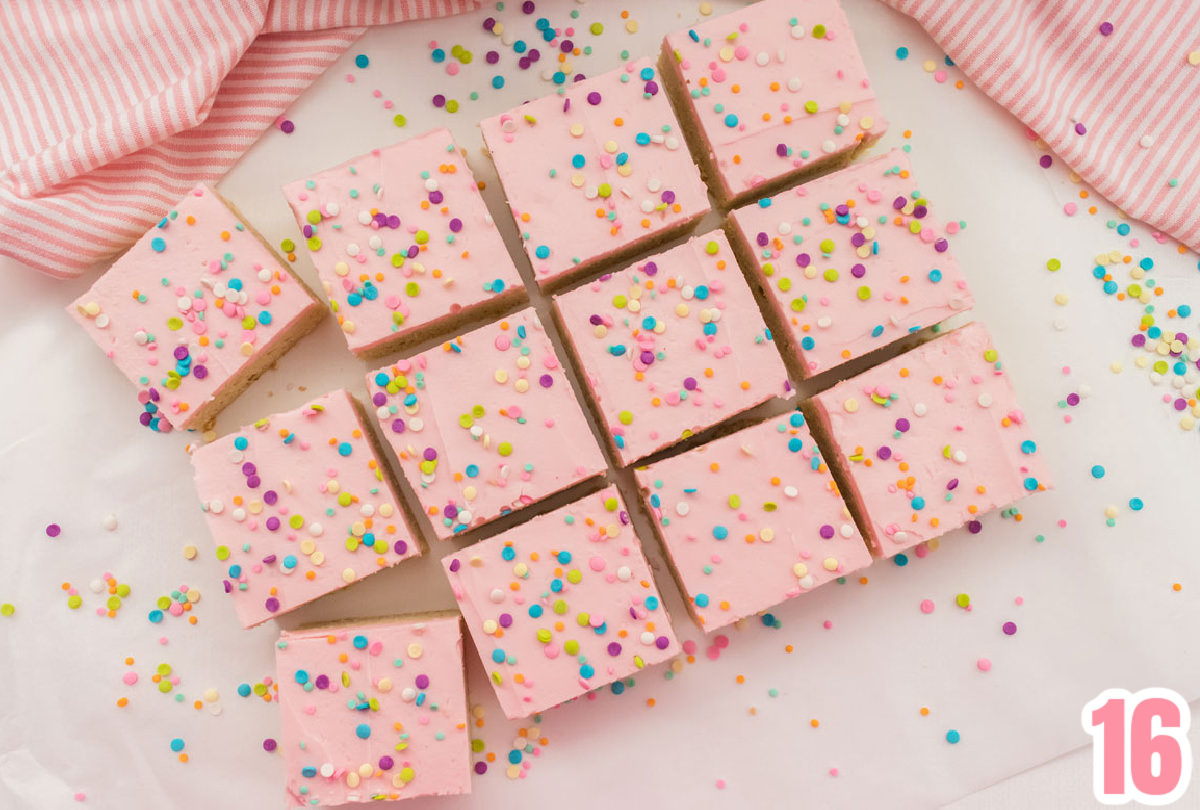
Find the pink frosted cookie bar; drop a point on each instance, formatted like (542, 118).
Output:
(771, 93)
(484, 424)
(597, 172)
(930, 441)
(672, 345)
(751, 519)
(195, 311)
(373, 710)
(561, 605)
(403, 242)
(299, 505)
(850, 262)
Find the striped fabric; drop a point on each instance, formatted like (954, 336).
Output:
(111, 111)
(1134, 92)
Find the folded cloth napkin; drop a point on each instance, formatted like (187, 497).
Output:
(111, 111)
(1112, 86)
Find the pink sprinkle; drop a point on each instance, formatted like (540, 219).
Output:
(827, 624)
(713, 652)
(1020, 600)
(1070, 208)
(130, 678)
(833, 771)
(984, 664)
(80, 796)
(53, 530)
(927, 606)
(721, 641)
(720, 784)
(939, 76)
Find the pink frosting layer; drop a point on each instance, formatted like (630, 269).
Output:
(561, 605)
(672, 345)
(299, 506)
(775, 86)
(372, 711)
(933, 439)
(752, 519)
(580, 184)
(853, 262)
(481, 423)
(400, 238)
(190, 305)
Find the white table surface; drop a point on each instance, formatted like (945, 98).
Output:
(1099, 610)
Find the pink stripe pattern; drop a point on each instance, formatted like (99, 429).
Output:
(110, 112)
(1107, 84)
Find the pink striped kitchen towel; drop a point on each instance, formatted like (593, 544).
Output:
(1112, 86)
(111, 111)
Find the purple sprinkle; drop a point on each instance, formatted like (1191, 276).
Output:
(481, 767)
(842, 210)
(488, 24)
(455, 225)
(647, 358)
(593, 98)
(1139, 340)
(228, 586)
(884, 453)
(439, 100)
(253, 482)
(379, 399)
(952, 484)
(668, 197)
(144, 417)
(566, 46)
(269, 559)
(505, 620)
(595, 320)
(288, 127)
(920, 211)
(899, 203)
(546, 380)
(651, 88)
(858, 271)
(307, 230)
(614, 649)
(181, 352)
(781, 149)
(430, 454)
(386, 763)
(397, 426)
(902, 425)
(272, 604)
(1080, 129)
(436, 197)
(662, 642)
(1045, 161)
(451, 511)
(941, 246)
(249, 469)
(1106, 28)
(527, 6)
(827, 531)
(270, 497)
(393, 222)
(422, 681)
(200, 372)
(154, 395)
(803, 260)
(413, 251)
(534, 54)
(492, 56)
(650, 268)
(762, 239)
(273, 524)
(689, 383)
(455, 565)
(268, 743)
(974, 526)
(858, 240)
(322, 682)
(1072, 399)
(523, 63)
(380, 218)
(401, 547)
(1009, 628)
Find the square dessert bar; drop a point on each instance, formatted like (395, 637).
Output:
(373, 710)
(299, 505)
(751, 519)
(850, 263)
(596, 172)
(770, 94)
(403, 242)
(930, 441)
(672, 345)
(484, 424)
(561, 605)
(195, 311)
